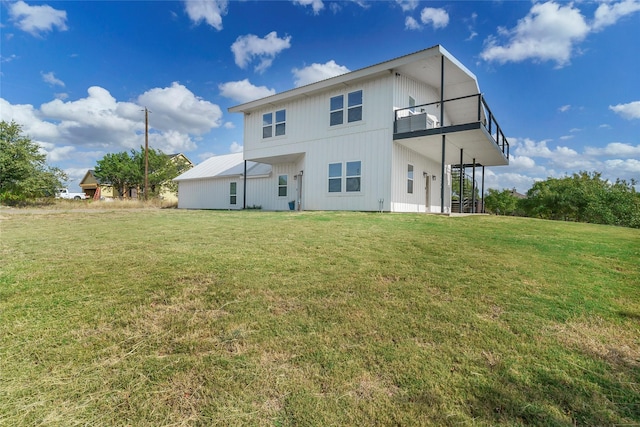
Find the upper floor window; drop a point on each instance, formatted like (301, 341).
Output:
(269, 122)
(353, 108)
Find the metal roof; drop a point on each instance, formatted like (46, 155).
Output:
(224, 166)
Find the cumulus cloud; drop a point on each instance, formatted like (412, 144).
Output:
(235, 147)
(407, 5)
(316, 72)
(609, 13)
(100, 122)
(552, 32)
(209, 11)
(243, 91)
(249, 47)
(316, 5)
(548, 33)
(531, 161)
(410, 23)
(628, 111)
(36, 20)
(177, 108)
(439, 18)
(51, 79)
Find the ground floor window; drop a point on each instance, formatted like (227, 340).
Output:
(349, 173)
(410, 179)
(233, 188)
(282, 185)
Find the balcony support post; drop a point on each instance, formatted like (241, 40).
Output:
(461, 181)
(444, 143)
(473, 187)
(482, 194)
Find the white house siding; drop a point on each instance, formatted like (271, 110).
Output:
(263, 191)
(405, 87)
(401, 200)
(308, 132)
(209, 193)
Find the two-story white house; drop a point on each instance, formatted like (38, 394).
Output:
(382, 138)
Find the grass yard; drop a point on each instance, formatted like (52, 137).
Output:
(170, 317)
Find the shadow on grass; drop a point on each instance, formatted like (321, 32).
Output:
(589, 392)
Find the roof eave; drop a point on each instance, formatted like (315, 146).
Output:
(348, 79)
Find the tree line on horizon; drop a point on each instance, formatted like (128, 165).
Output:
(582, 197)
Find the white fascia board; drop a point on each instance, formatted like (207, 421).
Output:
(347, 79)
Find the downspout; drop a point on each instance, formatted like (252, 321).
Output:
(244, 191)
(443, 135)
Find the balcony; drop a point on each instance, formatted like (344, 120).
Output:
(471, 130)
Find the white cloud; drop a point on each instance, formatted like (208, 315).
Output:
(548, 33)
(439, 18)
(614, 149)
(61, 95)
(247, 48)
(100, 121)
(229, 125)
(411, 24)
(209, 11)
(243, 91)
(316, 5)
(628, 111)
(407, 5)
(564, 108)
(37, 19)
(609, 13)
(316, 72)
(235, 147)
(566, 137)
(177, 108)
(51, 79)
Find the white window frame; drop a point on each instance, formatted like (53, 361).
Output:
(233, 193)
(283, 186)
(276, 126)
(344, 178)
(348, 103)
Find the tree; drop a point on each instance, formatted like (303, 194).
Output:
(24, 174)
(584, 197)
(126, 170)
(120, 170)
(501, 202)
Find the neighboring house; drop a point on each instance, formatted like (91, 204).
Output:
(95, 188)
(383, 138)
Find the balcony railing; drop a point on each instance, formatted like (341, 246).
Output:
(467, 110)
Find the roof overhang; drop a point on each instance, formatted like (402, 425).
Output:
(424, 65)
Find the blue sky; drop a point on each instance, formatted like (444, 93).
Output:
(563, 78)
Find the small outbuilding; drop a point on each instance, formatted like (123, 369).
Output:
(219, 183)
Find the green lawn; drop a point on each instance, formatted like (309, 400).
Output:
(169, 317)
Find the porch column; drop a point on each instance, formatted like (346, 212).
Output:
(461, 194)
(443, 136)
(244, 191)
(473, 187)
(482, 194)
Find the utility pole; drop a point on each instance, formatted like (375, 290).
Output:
(146, 153)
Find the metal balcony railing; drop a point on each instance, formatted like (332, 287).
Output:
(466, 110)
